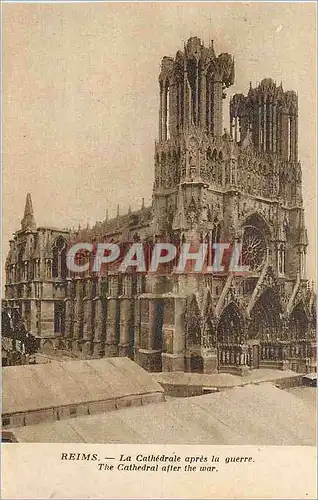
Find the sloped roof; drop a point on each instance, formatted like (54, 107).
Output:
(34, 387)
(117, 226)
(254, 414)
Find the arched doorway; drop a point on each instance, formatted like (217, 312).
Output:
(265, 324)
(230, 327)
(264, 331)
(298, 334)
(193, 336)
(230, 335)
(298, 323)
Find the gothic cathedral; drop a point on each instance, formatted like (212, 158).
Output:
(210, 185)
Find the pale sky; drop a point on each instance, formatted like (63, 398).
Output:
(80, 97)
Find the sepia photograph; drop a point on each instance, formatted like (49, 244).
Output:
(159, 227)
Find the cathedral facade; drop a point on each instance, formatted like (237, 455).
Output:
(210, 186)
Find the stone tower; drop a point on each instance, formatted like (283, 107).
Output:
(190, 130)
(240, 187)
(210, 186)
(35, 278)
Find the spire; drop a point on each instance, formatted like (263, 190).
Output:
(106, 215)
(117, 210)
(142, 202)
(28, 221)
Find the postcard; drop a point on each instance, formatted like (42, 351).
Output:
(158, 257)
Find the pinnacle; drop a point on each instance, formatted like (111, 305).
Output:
(28, 221)
(28, 209)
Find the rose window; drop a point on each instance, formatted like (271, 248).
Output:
(253, 248)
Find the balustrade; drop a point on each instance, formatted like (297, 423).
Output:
(242, 355)
(232, 355)
(300, 349)
(281, 351)
(272, 351)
